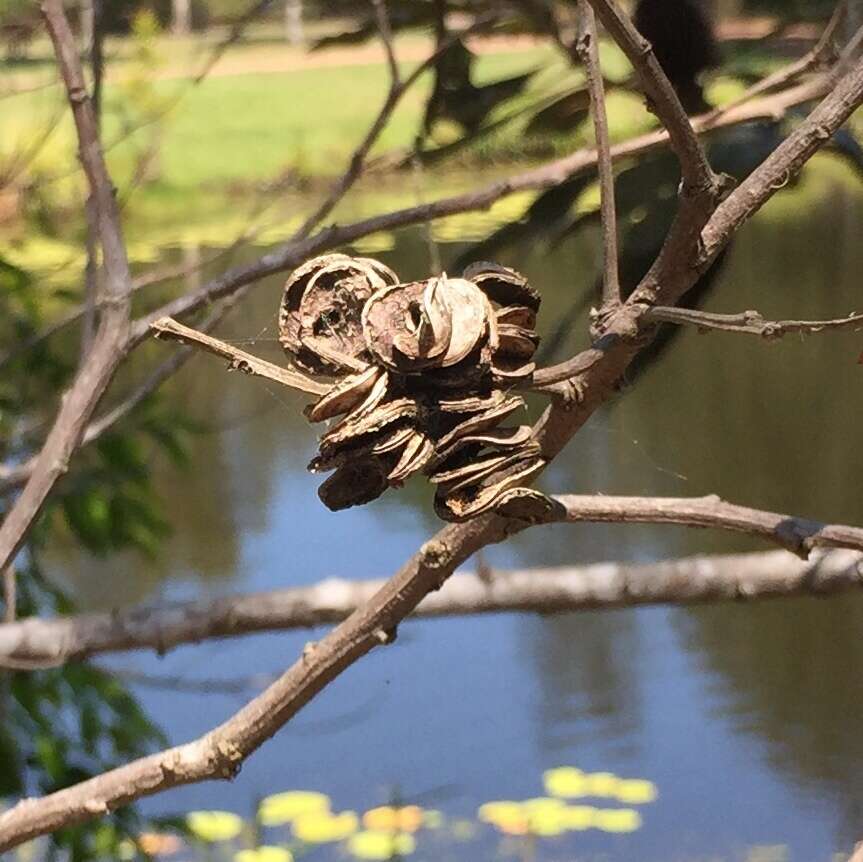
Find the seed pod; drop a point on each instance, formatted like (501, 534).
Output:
(516, 341)
(320, 317)
(352, 428)
(414, 457)
(481, 421)
(474, 499)
(435, 323)
(518, 315)
(356, 482)
(508, 372)
(289, 310)
(502, 285)
(471, 473)
(345, 395)
(500, 439)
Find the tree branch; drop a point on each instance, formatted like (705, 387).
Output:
(108, 345)
(547, 176)
(732, 577)
(220, 753)
(747, 321)
(239, 360)
(587, 46)
(12, 478)
(821, 54)
(698, 176)
(397, 89)
(783, 164)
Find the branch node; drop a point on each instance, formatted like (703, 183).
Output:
(96, 806)
(434, 554)
(386, 636)
(309, 650)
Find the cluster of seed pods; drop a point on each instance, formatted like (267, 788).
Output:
(423, 378)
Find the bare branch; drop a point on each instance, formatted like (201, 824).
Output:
(220, 753)
(761, 575)
(747, 321)
(112, 337)
(697, 173)
(783, 164)
(386, 33)
(239, 360)
(821, 54)
(10, 590)
(397, 89)
(587, 46)
(547, 176)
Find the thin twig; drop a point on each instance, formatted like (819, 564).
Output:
(10, 594)
(587, 46)
(821, 54)
(697, 173)
(111, 340)
(386, 33)
(239, 360)
(358, 159)
(759, 575)
(750, 322)
(546, 176)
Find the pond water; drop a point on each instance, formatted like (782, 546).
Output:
(747, 718)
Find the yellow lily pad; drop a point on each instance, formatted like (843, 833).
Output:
(601, 784)
(617, 820)
(432, 819)
(492, 812)
(285, 807)
(408, 818)
(565, 781)
(379, 844)
(636, 791)
(579, 817)
(323, 827)
(213, 826)
(265, 853)
(542, 805)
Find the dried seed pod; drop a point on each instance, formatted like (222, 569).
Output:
(345, 394)
(471, 472)
(470, 314)
(474, 499)
(501, 439)
(471, 403)
(502, 285)
(482, 421)
(415, 455)
(385, 443)
(507, 372)
(517, 315)
(386, 275)
(352, 428)
(455, 478)
(516, 341)
(394, 439)
(289, 310)
(320, 316)
(426, 324)
(354, 483)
